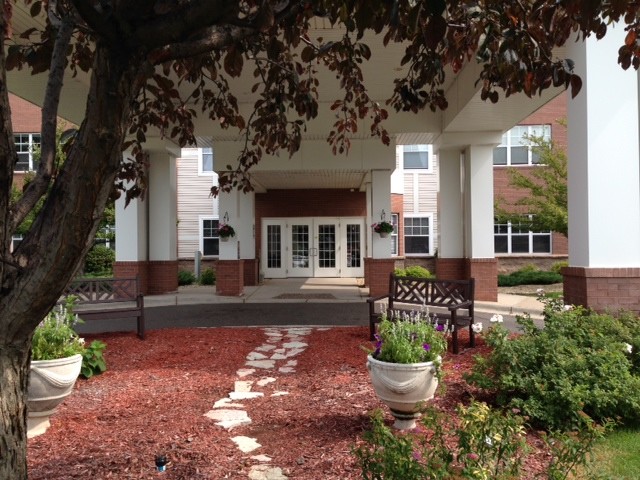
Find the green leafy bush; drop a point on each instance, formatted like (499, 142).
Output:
(93, 361)
(208, 277)
(99, 261)
(581, 362)
(414, 271)
(55, 337)
(185, 277)
(529, 277)
(485, 444)
(556, 267)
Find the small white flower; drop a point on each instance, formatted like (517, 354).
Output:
(81, 340)
(568, 307)
(488, 440)
(628, 348)
(540, 291)
(497, 318)
(476, 327)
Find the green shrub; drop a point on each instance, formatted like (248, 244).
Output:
(208, 277)
(99, 261)
(580, 362)
(556, 267)
(93, 362)
(414, 271)
(185, 277)
(529, 277)
(485, 444)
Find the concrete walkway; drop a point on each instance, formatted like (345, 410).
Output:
(287, 302)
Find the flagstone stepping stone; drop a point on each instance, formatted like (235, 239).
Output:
(279, 394)
(265, 348)
(229, 419)
(294, 352)
(245, 395)
(265, 381)
(261, 458)
(246, 444)
(295, 345)
(265, 472)
(256, 356)
(245, 372)
(243, 385)
(264, 364)
(286, 369)
(227, 403)
(278, 356)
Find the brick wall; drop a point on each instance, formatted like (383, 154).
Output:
(451, 268)
(485, 271)
(603, 289)
(230, 278)
(376, 274)
(133, 269)
(25, 116)
(163, 277)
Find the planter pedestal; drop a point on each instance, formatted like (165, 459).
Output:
(50, 382)
(403, 388)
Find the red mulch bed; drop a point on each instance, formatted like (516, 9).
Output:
(154, 395)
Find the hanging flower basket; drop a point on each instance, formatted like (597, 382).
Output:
(382, 228)
(225, 231)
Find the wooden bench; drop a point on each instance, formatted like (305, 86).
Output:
(453, 301)
(104, 299)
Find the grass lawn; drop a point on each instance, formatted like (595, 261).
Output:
(617, 455)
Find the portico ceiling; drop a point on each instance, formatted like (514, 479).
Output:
(284, 179)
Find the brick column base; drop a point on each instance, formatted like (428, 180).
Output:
(134, 269)
(376, 274)
(485, 271)
(163, 276)
(451, 268)
(602, 288)
(230, 278)
(154, 277)
(251, 277)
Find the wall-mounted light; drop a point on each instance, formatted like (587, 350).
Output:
(383, 215)
(225, 217)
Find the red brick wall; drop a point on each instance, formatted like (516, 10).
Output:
(324, 202)
(603, 289)
(230, 278)
(132, 269)
(25, 116)
(376, 275)
(251, 276)
(485, 271)
(451, 268)
(163, 276)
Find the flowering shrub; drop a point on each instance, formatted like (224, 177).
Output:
(580, 362)
(55, 337)
(409, 337)
(225, 230)
(382, 227)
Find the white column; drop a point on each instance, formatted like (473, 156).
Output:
(163, 216)
(603, 153)
(450, 206)
(380, 201)
(240, 208)
(131, 230)
(478, 203)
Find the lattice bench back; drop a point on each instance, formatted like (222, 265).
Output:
(429, 291)
(103, 290)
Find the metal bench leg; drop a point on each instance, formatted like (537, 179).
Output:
(455, 341)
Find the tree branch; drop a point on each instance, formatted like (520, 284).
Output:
(38, 187)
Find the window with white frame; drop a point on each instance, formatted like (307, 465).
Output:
(205, 156)
(210, 241)
(415, 157)
(518, 238)
(515, 148)
(26, 143)
(395, 218)
(417, 235)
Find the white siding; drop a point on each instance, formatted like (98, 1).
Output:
(193, 202)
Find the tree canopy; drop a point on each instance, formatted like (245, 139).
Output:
(141, 56)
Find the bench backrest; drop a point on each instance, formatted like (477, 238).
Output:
(429, 291)
(103, 290)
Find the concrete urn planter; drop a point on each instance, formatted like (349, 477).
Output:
(50, 382)
(403, 387)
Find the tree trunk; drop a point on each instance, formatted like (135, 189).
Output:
(50, 253)
(14, 375)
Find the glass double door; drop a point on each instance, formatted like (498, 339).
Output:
(312, 247)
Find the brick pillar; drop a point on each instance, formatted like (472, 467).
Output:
(376, 274)
(163, 276)
(251, 277)
(451, 268)
(133, 269)
(485, 271)
(603, 289)
(230, 278)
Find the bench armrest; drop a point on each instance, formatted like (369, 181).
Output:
(465, 304)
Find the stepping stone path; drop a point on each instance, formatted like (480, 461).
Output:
(275, 356)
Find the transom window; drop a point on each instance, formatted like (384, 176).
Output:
(417, 235)
(26, 143)
(210, 240)
(415, 157)
(518, 238)
(515, 148)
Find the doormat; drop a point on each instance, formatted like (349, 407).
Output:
(305, 296)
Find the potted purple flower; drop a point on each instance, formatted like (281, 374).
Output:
(405, 364)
